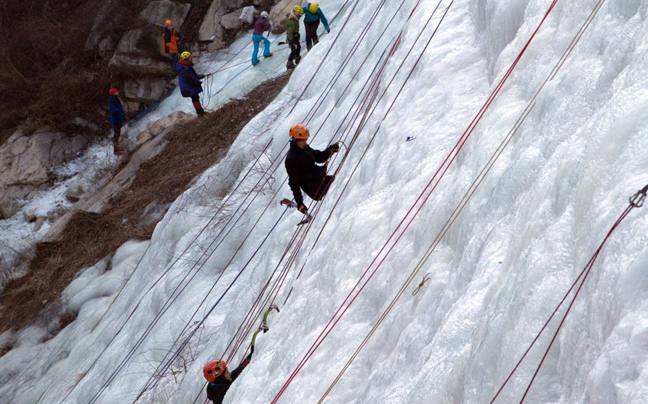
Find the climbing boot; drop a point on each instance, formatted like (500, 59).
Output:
(297, 59)
(290, 65)
(269, 55)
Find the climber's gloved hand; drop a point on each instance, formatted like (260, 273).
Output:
(247, 360)
(335, 147)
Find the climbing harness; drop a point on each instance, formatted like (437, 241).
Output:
(421, 284)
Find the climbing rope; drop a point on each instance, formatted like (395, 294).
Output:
(169, 267)
(440, 173)
(199, 324)
(280, 284)
(636, 201)
(464, 200)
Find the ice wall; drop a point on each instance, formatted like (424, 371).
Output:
(520, 242)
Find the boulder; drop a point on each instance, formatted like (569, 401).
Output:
(161, 125)
(25, 162)
(144, 89)
(85, 124)
(131, 107)
(8, 207)
(140, 51)
(101, 23)
(211, 29)
(158, 11)
(279, 13)
(263, 4)
(231, 20)
(39, 224)
(108, 45)
(215, 45)
(74, 195)
(30, 215)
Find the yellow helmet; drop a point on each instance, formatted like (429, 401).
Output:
(299, 132)
(185, 55)
(313, 8)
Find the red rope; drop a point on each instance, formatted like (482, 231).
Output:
(440, 173)
(584, 274)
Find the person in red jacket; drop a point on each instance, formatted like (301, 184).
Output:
(220, 379)
(170, 41)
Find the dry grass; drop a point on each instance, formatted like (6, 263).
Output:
(46, 74)
(193, 147)
(47, 77)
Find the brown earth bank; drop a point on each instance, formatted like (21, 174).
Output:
(192, 147)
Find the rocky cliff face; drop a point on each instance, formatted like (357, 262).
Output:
(139, 55)
(25, 163)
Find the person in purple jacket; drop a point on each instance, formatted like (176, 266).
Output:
(260, 26)
(189, 81)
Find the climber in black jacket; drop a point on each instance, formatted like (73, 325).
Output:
(303, 172)
(220, 379)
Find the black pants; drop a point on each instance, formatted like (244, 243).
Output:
(195, 100)
(296, 48)
(116, 132)
(317, 191)
(311, 33)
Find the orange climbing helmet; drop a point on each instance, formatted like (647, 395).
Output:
(168, 23)
(299, 131)
(214, 369)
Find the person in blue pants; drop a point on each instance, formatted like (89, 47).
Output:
(260, 26)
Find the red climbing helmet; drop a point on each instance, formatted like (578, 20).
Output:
(112, 91)
(299, 131)
(214, 369)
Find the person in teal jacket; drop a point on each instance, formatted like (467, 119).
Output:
(312, 16)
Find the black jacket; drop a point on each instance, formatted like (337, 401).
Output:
(216, 391)
(303, 173)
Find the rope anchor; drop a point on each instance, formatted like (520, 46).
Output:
(638, 199)
(426, 277)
